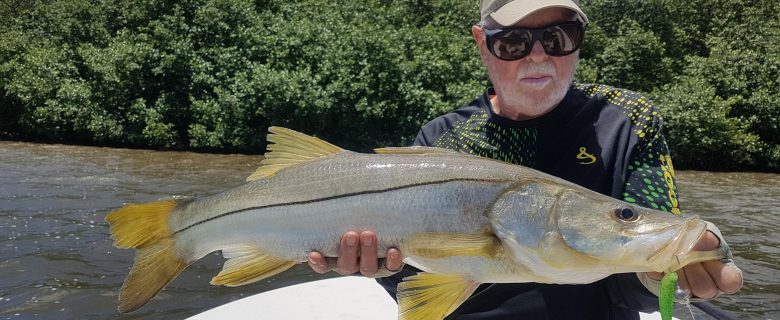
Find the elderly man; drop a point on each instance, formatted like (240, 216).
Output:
(606, 139)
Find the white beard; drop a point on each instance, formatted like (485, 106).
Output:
(518, 102)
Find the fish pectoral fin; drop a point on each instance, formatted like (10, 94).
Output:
(413, 150)
(432, 296)
(443, 244)
(287, 148)
(248, 264)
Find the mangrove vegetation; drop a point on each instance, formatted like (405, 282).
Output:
(212, 75)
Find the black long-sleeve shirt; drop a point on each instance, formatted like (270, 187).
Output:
(602, 138)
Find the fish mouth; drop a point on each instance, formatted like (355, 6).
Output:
(671, 255)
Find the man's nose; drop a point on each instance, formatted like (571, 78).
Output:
(537, 52)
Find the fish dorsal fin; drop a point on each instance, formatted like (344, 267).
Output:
(247, 264)
(443, 244)
(432, 296)
(413, 150)
(289, 147)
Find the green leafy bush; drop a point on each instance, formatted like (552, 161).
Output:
(214, 74)
(711, 67)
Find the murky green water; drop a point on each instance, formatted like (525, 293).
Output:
(57, 262)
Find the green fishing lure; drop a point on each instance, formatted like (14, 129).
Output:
(666, 295)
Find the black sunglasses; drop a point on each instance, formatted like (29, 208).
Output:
(515, 43)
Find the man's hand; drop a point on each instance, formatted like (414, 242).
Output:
(706, 280)
(357, 252)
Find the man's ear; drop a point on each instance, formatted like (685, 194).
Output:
(478, 34)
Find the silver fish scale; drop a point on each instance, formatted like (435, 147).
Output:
(346, 173)
(309, 206)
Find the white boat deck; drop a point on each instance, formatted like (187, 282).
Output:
(329, 299)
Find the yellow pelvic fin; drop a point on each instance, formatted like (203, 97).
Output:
(427, 296)
(287, 148)
(145, 227)
(248, 264)
(413, 150)
(442, 245)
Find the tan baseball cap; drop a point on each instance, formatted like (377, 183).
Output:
(509, 12)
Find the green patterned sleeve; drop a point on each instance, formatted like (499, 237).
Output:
(650, 179)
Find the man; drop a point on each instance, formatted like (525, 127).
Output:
(606, 139)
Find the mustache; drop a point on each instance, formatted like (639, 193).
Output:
(537, 68)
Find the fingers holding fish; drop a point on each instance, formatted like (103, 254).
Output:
(710, 278)
(709, 241)
(706, 280)
(727, 277)
(347, 262)
(394, 261)
(360, 255)
(368, 258)
(318, 263)
(698, 281)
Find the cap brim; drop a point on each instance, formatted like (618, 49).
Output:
(515, 11)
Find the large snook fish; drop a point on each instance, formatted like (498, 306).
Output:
(463, 219)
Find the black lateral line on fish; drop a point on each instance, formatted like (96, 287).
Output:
(328, 198)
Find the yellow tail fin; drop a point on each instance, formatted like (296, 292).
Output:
(145, 228)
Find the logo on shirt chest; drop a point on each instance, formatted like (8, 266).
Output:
(585, 157)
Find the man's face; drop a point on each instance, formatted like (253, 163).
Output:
(533, 85)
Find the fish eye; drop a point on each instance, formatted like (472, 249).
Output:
(626, 214)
